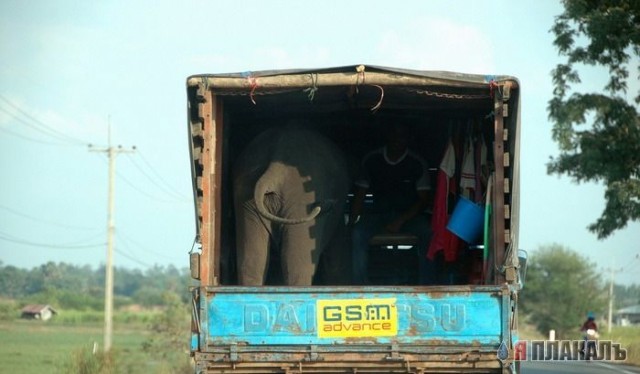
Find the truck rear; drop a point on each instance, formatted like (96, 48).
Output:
(465, 323)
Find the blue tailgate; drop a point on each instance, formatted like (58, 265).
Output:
(263, 316)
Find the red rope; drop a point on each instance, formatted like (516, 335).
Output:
(253, 83)
(493, 85)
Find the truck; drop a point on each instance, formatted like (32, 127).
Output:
(465, 323)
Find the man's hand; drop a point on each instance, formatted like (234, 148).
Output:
(357, 206)
(395, 226)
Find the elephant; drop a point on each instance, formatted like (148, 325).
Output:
(290, 185)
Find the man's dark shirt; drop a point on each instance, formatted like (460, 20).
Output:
(394, 185)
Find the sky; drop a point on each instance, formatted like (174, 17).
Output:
(70, 70)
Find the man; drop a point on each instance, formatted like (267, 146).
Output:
(399, 181)
(590, 323)
(590, 330)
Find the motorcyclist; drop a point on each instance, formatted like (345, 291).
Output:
(590, 323)
(590, 334)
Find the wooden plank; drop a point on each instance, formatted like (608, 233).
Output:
(217, 190)
(498, 190)
(205, 182)
(210, 180)
(310, 79)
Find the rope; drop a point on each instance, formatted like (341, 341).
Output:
(379, 104)
(360, 71)
(493, 88)
(311, 91)
(253, 83)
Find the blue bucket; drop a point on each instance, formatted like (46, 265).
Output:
(467, 220)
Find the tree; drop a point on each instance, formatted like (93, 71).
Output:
(561, 288)
(13, 281)
(606, 34)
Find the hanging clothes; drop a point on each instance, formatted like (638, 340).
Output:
(468, 174)
(481, 167)
(443, 239)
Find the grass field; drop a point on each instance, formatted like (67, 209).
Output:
(50, 347)
(629, 338)
(37, 347)
(30, 347)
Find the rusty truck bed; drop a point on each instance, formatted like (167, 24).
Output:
(338, 329)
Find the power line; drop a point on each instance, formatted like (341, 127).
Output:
(32, 126)
(18, 213)
(178, 193)
(39, 125)
(168, 190)
(132, 185)
(10, 238)
(123, 254)
(31, 139)
(122, 236)
(631, 264)
(142, 192)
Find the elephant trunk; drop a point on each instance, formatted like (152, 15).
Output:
(262, 188)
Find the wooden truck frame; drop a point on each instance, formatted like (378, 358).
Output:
(466, 325)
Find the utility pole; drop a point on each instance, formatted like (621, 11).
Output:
(108, 287)
(610, 302)
(610, 316)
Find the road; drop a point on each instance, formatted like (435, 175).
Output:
(569, 367)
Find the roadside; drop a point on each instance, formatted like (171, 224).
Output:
(628, 337)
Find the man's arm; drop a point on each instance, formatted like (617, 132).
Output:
(357, 205)
(418, 207)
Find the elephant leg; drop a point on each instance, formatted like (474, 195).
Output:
(252, 246)
(336, 258)
(301, 250)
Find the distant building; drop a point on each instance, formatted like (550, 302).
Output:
(627, 316)
(37, 311)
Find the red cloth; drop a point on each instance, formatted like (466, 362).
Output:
(589, 324)
(443, 239)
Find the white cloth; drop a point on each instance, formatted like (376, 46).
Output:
(468, 175)
(448, 163)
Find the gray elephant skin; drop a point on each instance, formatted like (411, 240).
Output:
(290, 186)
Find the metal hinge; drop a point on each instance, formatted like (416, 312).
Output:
(233, 352)
(395, 353)
(506, 91)
(313, 353)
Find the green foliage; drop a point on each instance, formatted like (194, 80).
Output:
(65, 299)
(79, 317)
(629, 338)
(66, 286)
(605, 34)
(561, 288)
(148, 296)
(84, 361)
(8, 310)
(626, 295)
(170, 336)
(12, 281)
